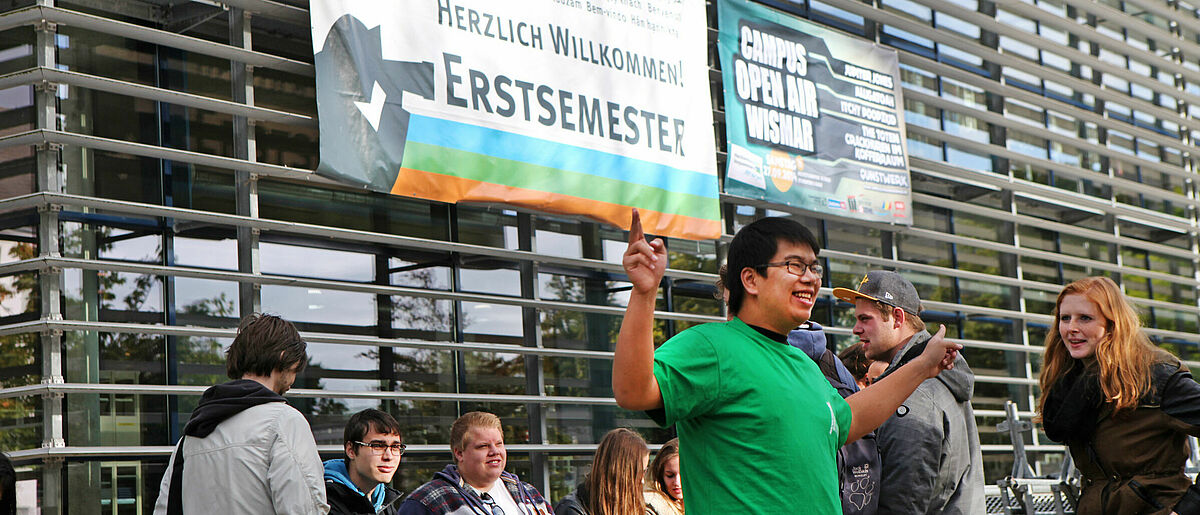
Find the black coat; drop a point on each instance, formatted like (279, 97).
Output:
(344, 501)
(1134, 462)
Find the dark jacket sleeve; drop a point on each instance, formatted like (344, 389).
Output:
(1181, 401)
(411, 507)
(569, 506)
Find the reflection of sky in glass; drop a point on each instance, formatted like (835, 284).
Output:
(142, 248)
(495, 319)
(511, 241)
(947, 22)
(152, 299)
(319, 305)
(352, 405)
(16, 98)
(310, 262)
(499, 281)
(433, 277)
(192, 291)
(557, 244)
(346, 357)
(220, 254)
(614, 250)
(322, 305)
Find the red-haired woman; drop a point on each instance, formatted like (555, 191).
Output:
(1122, 406)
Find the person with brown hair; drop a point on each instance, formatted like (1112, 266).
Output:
(932, 462)
(614, 486)
(243, 440)
(1122, 406)
(664, 489)
(357, 483)
(476, 483)
(865, 370)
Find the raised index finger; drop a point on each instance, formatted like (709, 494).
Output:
(635, 228)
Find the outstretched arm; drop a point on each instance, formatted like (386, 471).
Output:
(872, 406)
(634, 384)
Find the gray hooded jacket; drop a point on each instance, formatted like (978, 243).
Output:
(930, 446)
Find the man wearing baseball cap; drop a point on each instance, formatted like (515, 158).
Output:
(930, 446)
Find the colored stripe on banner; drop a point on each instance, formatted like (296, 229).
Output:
(526, 176)
(559, 156)
(448, 188)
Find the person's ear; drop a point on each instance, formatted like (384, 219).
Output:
(350, 450)
(749, 281)
(898, 318)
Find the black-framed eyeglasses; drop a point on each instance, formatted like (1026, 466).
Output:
(378, 447)
(797, 268)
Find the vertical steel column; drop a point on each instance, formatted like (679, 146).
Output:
(597, 332)
(49, 178)
(535, 374)
(246, 184)
(385, 313)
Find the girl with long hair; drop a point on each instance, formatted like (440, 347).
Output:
(1123, 406)
(614, 486)
(664, 487)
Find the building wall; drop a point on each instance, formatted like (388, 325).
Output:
(156, 185)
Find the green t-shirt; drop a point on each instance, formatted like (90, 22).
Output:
(759, 426)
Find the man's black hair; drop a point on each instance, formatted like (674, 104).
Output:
(755, 245)
(264, 344)
(366, 420)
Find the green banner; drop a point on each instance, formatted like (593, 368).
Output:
(814, 118)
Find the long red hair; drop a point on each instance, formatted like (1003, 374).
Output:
(1124, 355)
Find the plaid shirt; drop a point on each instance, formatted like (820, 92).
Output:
(448, 494)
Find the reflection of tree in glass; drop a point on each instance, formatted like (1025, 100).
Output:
(703, 305)
(567, 329)
(19, 363)
(204, 350)
(421, 370)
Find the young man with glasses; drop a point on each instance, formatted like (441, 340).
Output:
(357, 484)
(744, 402)
(476, 484)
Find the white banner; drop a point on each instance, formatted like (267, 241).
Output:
(585, 107)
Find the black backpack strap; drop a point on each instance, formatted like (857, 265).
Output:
(175, 499)
(827, 366)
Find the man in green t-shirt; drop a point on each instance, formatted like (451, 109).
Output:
(759, 426)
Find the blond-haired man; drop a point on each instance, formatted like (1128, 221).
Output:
(476, 483)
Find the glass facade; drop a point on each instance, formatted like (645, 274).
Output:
(156, 185)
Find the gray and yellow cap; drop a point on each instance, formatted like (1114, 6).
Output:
(887, 287)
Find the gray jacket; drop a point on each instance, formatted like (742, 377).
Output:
(930, 446)
(262, 460)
